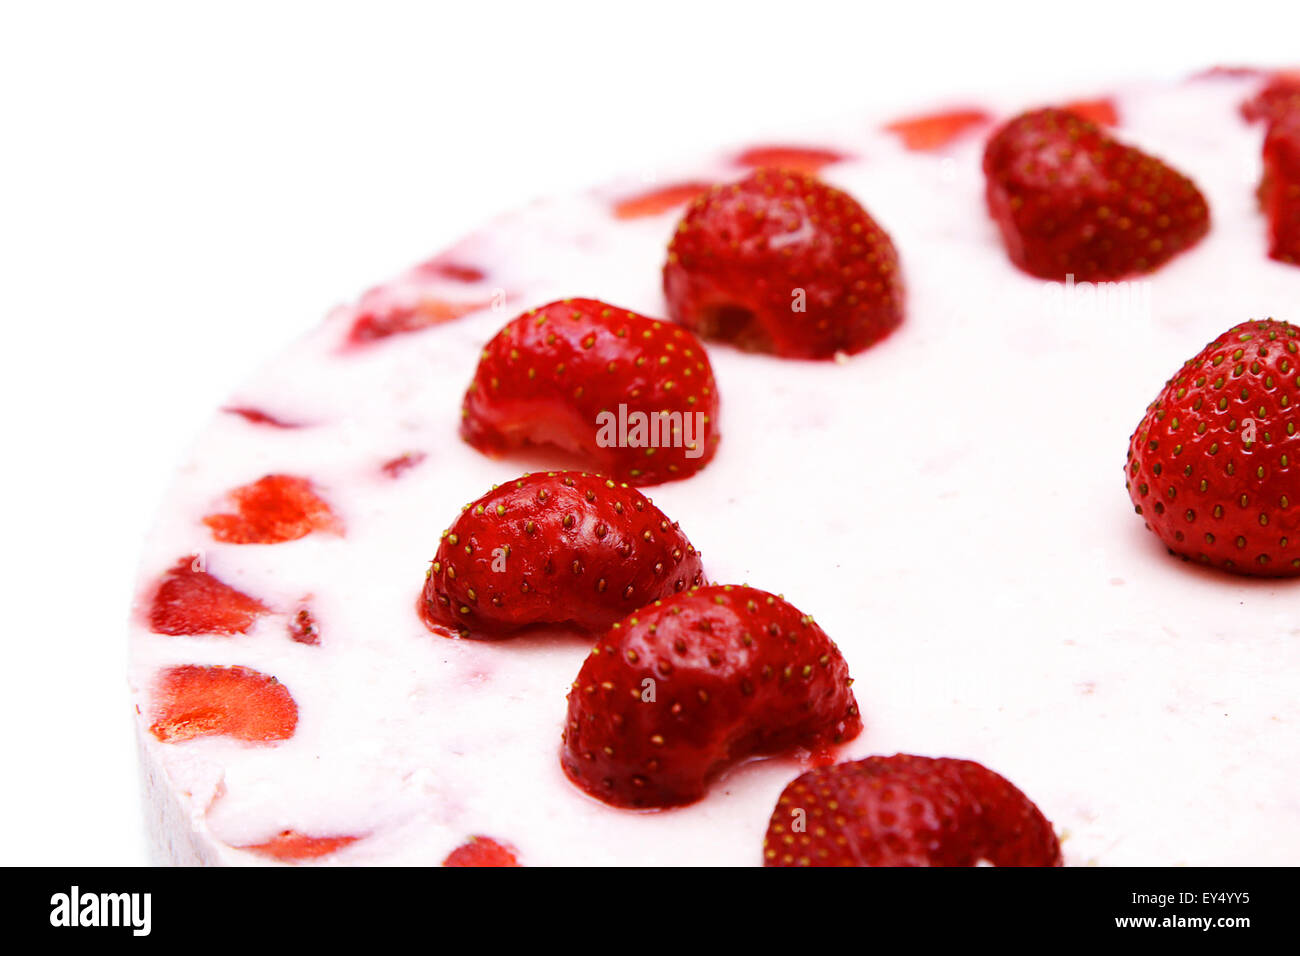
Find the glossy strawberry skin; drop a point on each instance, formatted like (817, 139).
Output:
(1207, 493)
(550, 375)
(192, 601)
(1071, 200)
(1280, 191)
(780, 262)
(907, 811)
(681, 689)
(197, 701)
(557, 548)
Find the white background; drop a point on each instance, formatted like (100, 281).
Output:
(184, 189)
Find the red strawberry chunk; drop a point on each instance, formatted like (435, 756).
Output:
(395, 467)
(1071, 200)
(258, 417)
(482, 851)
(1210, 464)
(907, 811)
(781, 262)
(303, 628)
(804, 159)
(654, 202)
(272, 509)
(933, 131)
(689, 685)
(1280, 96)
(191, 601)
(1103, 111)
(193, 701)
(1280, 190)
(290, 846)
(380, 322)
(561, 548)
(442, 267)
(633, 395)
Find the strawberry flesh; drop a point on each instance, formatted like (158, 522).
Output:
(303, 628)
(932, 131)
(781, 262)
(1280, 191)
(572, 374)
(687, 686)
(191, 601)
(907, 811)
(654, 202)
(1280, 96)
(381, 322)
(482, 851)
(561, 548)
(804, 159)
(1071, 200)
(256, 416)
(1102, 111)
(273, 509)
(290, 846)
(195, 701)
(1209, 466)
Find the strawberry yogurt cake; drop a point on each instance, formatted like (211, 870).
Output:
(773, 513)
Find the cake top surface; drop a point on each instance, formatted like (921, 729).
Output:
(949, 504)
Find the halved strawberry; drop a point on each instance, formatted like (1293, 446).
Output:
(193, 601)
(907, 811)
(804, 159)
(272, 509)
(688, 685)
(931, 131)
(633, 394)
(781, 262)
(196, 701)
(482, 851)
(1071, 200)
(658, 200)
(290, 846)
(560, 548)
(1209, 466)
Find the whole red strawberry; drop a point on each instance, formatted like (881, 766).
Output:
(691, 684)
(562, 548)
(907, 811)
(1210, 465)
(1280, 190)
(1069, 199)
(781, 262)
(634, 395)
